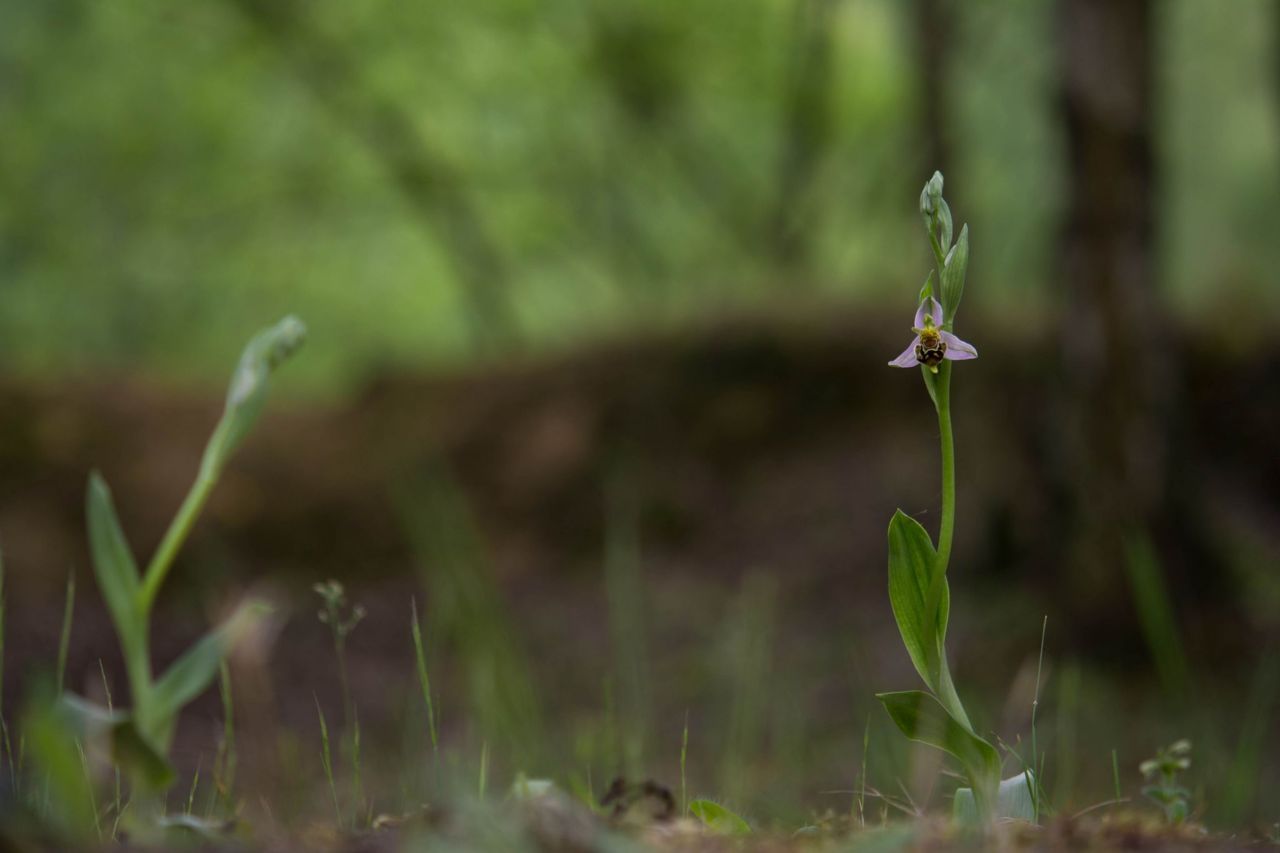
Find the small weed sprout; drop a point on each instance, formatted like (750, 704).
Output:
(1162, 786)
(342, 620)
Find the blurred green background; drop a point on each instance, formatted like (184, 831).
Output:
(174, 175)
(600, 294)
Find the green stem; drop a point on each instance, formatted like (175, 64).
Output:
(177, 533)
(945, 688)
(947, 528)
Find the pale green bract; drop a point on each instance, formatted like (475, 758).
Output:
(1015, 800)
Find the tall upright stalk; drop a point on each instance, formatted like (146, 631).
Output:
(946, 529)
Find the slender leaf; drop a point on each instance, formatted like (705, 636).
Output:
(192, 673)
(424, 681)
(113, 565)
(719, 819)
(912, 562)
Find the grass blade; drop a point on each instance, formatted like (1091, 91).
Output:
(326, 757)
(64, 639)
(423, 679)
(1156, 615)
(684, 754)
(1115, 773)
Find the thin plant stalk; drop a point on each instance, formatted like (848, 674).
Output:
(1035, 705)
(684, 754)
(64, 639)
(106, 688)
(177, 532)
(195, 784)
(93, 799)
(13, 765)
(357, 785)
(224, 765)
(423, 679)
(939, 386)
(862, 787)
(326, 758)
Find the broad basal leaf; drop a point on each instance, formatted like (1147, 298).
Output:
(922, 718)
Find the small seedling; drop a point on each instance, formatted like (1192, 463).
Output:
(1162, 786)
(139, 737)
(342, 620)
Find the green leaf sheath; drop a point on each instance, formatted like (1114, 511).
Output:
(922, 718)
(912, 564)
(129, 747)
(1013, 801)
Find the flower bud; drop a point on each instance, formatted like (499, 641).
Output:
(931, 196)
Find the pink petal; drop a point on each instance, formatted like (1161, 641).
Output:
(957, 350)
(931, 309)
(908, 357)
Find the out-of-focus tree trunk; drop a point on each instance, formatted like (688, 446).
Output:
(1118, 366)
(932, 19)
(806, 129)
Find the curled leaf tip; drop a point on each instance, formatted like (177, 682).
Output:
(287, 336)
(267, 351)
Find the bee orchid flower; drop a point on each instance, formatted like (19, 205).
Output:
(932, 343)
